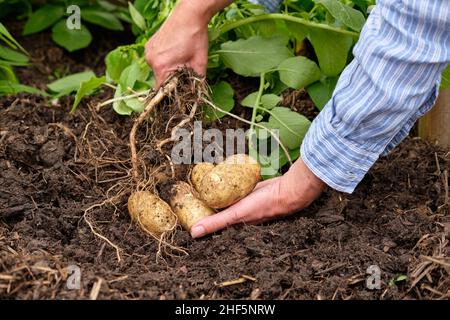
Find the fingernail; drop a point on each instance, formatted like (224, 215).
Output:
(198, 231)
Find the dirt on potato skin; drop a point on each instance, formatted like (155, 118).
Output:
(397, 219)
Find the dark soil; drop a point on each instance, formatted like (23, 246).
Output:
(52, 168)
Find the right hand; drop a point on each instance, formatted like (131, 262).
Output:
(182, 41)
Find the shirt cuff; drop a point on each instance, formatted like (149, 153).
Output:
(404, 132)
(336, 160)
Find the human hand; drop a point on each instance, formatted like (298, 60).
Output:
(271, 199)
(181, 41)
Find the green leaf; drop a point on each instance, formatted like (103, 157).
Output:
(70, 83)
(275, 161)
(222, 95)
(268, 101)
(107, 5)
(298, 72)
(399, 278)
(86, 88)
(298, 31)
(43, 18)
(138, 19)
(120, 106)
(9, 39)
(102, 18)
(7, 73)
(322, 91)
(116, 61)
(134, 72)
(263, 28)
(252, 56)
(292, 126)
(135, 104)
(250, 100)
(331, 49)
(350, 17)
(13, 56)
(71, 40)
(445, 84)
(7, 88)
(263, 130)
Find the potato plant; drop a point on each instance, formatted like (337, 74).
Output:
(12, 55)
(54, 14)
(252, 43)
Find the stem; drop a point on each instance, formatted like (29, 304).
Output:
(278, 16)
(313, 10)
(214, 55)
(286, 151)
(258, 100)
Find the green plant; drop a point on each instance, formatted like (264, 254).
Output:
(445, 84)
(398, 279)
(12, 55)
(264, 45)
(56, 13)
(250, 42)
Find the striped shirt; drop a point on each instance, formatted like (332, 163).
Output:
(392, 81)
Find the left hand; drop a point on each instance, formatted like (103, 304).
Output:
(271, 199)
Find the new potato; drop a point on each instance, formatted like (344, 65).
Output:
(186, 206)
(151, 213)
(227, 182)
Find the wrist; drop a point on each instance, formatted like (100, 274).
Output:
(201, 10)
(299, 187)
(198, 10)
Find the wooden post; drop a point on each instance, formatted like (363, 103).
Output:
(435, 125)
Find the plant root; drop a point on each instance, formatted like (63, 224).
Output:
(163, 92)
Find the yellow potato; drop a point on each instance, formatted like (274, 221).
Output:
(245, 161)
(151, 213)
(199, 171)
(186, 206)
(228, 182)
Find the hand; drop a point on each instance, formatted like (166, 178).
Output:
(271, 199)
(181, 41)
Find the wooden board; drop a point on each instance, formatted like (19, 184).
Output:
(435, 125)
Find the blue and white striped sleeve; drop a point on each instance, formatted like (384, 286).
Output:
(271, 5)
(392, 81)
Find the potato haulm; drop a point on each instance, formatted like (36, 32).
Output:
(226, 183)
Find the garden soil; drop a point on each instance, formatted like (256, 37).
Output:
(53, 168)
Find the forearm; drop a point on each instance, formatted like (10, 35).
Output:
(392, 81)
(203, 9)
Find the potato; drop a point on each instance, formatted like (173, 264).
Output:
(151, 213)
(186, 206)
(247, 162)
(228, 182)
(199, 171)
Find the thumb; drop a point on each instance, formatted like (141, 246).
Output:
(254, 207)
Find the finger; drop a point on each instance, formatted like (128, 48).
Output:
(252, 208)
(161, 77)
(199, 67)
